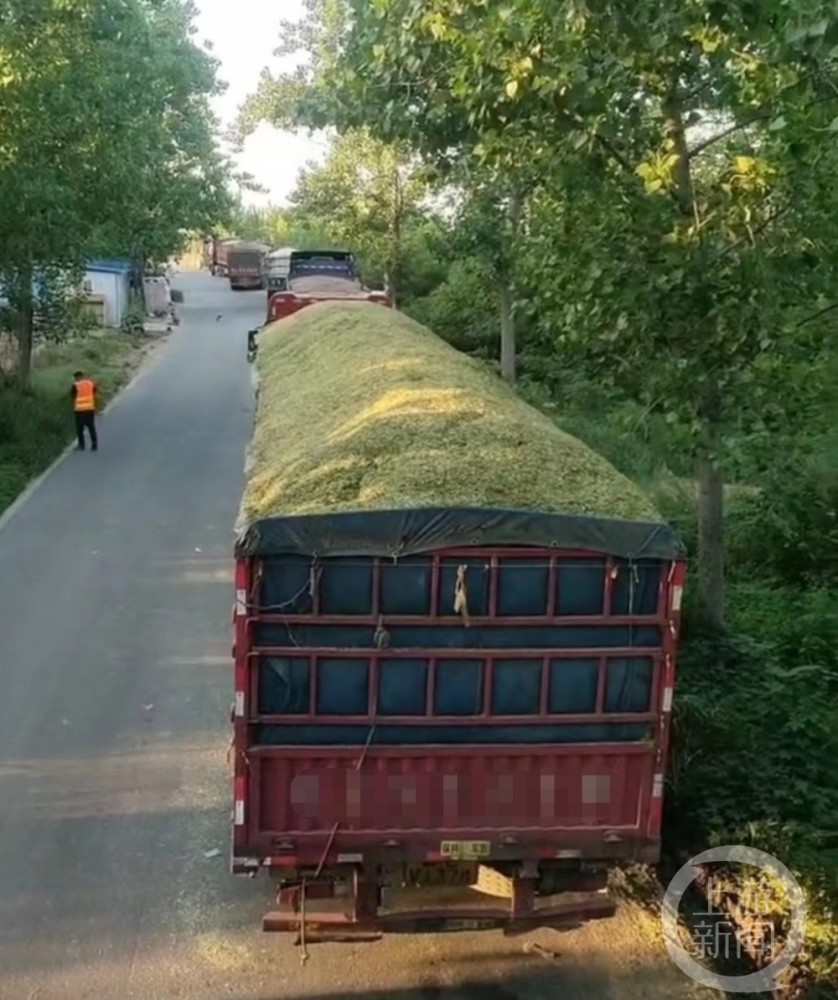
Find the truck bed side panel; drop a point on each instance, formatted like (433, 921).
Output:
(371, 713)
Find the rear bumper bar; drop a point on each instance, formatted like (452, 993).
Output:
(365, 912)
(330, 925)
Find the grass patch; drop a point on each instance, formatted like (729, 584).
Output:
(37, 424)
(362, 408)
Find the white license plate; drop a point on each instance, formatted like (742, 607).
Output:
(465, 850)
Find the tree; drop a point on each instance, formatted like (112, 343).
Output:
(677, 261)
(106, 140)
(365, 196)
(489, 227)
(493, 195)
(270, 225)
(174, 180)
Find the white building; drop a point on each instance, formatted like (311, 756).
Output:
(110, 279)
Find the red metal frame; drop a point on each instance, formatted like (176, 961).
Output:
(489, 658)
(244, 584)
(322, 853)
(494, 563)
(282, 304)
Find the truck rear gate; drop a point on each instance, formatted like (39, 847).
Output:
(493, 714)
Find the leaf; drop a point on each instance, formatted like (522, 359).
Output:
(511, 88)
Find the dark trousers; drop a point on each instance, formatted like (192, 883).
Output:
(87, 421)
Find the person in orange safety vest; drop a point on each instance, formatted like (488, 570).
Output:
(83, 395)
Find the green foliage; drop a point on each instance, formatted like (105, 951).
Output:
(789, 529)
(463, 309)
(755, 740)
(171, 178)
(106, 139)
(270, 225)
(133, 322)
(366, 196)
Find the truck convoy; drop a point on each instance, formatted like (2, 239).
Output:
(246, 265)
(455, 639)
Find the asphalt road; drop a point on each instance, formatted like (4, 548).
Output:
(115, 687)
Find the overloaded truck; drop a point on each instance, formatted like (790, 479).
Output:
(455, 643)
(313, 276)
(246, 265)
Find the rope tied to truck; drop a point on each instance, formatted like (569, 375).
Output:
(461, 593)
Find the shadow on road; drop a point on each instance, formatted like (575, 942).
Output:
(535, 982)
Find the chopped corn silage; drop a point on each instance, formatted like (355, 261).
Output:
(361, 408)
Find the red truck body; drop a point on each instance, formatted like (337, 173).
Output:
(217, 251)
(283, 304)
(319, 276)
(386, 743)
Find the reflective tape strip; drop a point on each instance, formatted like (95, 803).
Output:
(239, 704)
(677, 594)
(240, 786)
(657, 786)
(667, 700)
(241, 603)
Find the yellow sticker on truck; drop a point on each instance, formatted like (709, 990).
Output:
(465, 850)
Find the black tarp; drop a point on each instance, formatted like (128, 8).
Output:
(342, 547)
(344, 682)
(399, 533)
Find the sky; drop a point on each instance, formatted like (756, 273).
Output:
(244, 34)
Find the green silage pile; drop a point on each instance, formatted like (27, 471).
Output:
(361, 408)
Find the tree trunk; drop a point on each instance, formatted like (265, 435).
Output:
(711, 562)
(26, 340)
(709, 482)
(139, 279)
(396, 237)
(507, 331)
(508, 345)
(21, 300)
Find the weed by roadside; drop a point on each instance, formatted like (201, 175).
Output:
(37, 423)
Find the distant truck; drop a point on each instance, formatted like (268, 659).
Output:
(277, 270)
(216, 252)
(434, 697)
(310, 276)
(246, 265)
